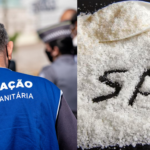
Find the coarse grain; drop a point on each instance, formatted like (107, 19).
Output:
(113, 121)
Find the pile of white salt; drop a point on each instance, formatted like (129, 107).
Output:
(113, 121)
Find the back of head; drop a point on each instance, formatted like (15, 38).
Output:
(68, 14)
(64, 44)
(3, 37)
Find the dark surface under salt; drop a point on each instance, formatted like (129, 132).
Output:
(91, 6)
(137, 147)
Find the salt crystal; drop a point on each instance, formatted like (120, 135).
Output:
(113, 121)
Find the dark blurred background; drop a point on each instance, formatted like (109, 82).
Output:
(91, 6)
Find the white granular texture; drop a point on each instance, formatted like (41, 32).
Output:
(113, 121)
(116, 21)
(146, 85)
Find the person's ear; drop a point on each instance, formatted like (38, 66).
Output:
(55, 51)
(48, 47)
(10, 49)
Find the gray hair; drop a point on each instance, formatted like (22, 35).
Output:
(3, 37)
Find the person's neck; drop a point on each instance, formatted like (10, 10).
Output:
(54, 58)
(2, 61)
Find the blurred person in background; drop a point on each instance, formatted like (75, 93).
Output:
(71, 15)
(34, 114)
(63, 70)
(74, 34)
(68, 14)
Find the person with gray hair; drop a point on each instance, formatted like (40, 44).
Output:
(4, 40)
(34, 114)
(5, 44)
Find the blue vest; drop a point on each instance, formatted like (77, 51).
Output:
(28, 111)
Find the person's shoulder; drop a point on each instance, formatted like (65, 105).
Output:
(48, 71)
(38, 80)
(47, 68)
